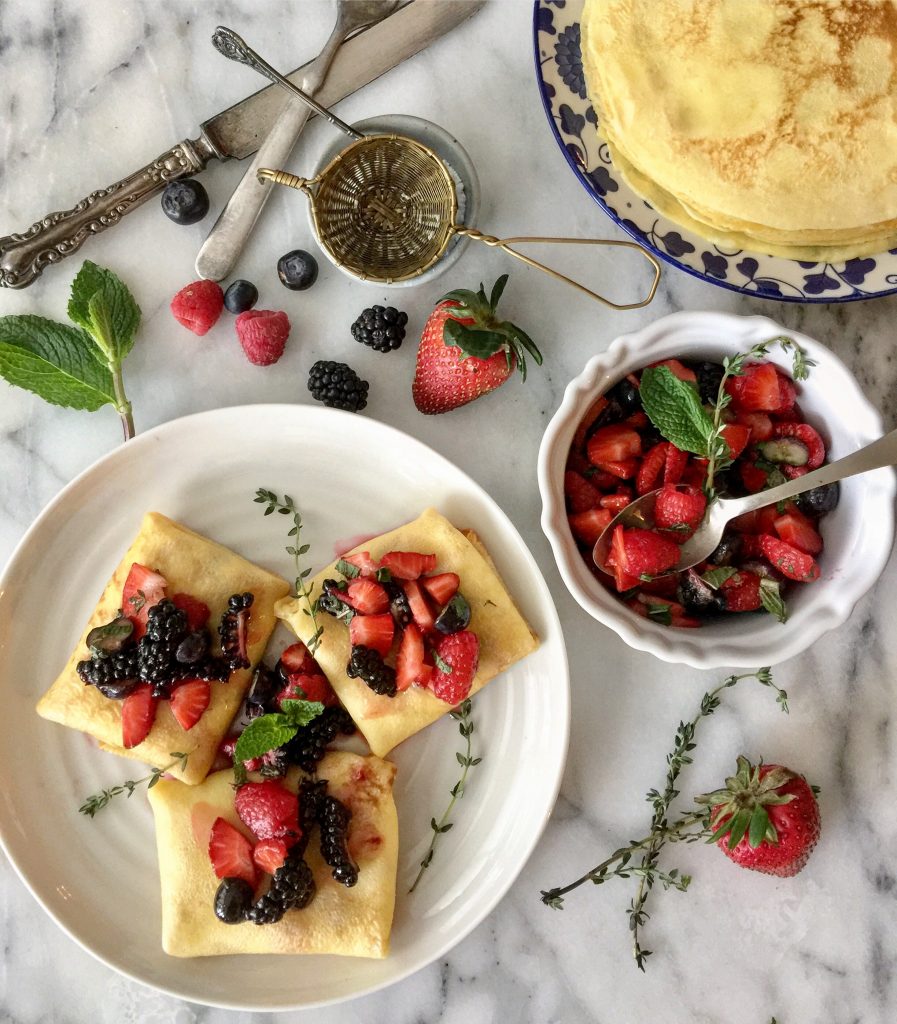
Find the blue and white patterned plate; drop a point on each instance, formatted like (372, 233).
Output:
(572, 119)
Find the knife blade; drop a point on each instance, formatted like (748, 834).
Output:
(234, 133)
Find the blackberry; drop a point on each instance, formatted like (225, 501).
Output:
(710, 377)
(292, 888)
(366, 663)
(211, 669)
(337, 386)
(116, 668)
(166, 627)
(232, 630)
(233, 900)
(333, 818)
(311, 800)
(381, 329)
(398, 604)
(309, 744)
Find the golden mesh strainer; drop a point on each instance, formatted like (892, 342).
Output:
(385, 208)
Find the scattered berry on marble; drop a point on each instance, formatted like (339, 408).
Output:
(337, 385)
(382, 329)
(240, 296)
(297, 270)
(198, 306)
(263, 334)
(185, 202)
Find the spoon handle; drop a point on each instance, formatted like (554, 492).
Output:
(876, 455)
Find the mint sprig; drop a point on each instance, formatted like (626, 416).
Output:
(80, 366)
(268, 732)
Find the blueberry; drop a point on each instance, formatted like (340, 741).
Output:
(240, 296)
(627, 396)
(185, 202)
(819, 500)
(454, 617)
(297, 270)
(233, 900)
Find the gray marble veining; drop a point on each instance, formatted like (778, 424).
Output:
(91, 89)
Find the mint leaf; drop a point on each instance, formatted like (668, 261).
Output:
(715, 578)
(442, 664)
(56, 362)
(771, 599)
(661, 613)
(675, 409)
(347, 569)
(301, 712)
(263, 734)
(102, 304)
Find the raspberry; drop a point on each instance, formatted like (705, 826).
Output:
(198, 306)
(270, 810)
(263, 334)
(459, 653)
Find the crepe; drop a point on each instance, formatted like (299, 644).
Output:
(209, 572)
(769, 125)
(350, 922)
(502, 631)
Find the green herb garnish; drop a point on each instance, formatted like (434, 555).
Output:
(347, 569)
(771, 599)
(268, 732)
(99, 800)
(80, 366)
(715, 578)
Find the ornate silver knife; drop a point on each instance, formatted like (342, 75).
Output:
(234, 133)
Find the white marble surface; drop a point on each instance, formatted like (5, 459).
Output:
(91, 89)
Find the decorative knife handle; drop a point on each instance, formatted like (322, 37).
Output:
(24, 256)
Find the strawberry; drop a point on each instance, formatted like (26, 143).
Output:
(138, 712)
(297, 658)
(662, 607)
(410, 659)
(760, 425)
(758, 389)
(587, 527)
(466, 351)
(592, 413)
(753, 478)
(652, 468)
(613, 444)
(638, 420)
(231, 853)
(197, 612)
(677, 460)
(407, 565)
(737, 436)
(807, 436)
(197, 306)
(363, 562)
(366, 596)
(314, 686)
(457, 657)
(741, 592)
(616, 502)
(269, 854)
(643, 553)
(624, 470)
(374, 631)
(189, 701)
(581, 495)
(263, 334)
(269, 810)
(766, 819)
(420, 609)
(790, 561)
(679, 510)
(787, 393)
(678, 370)
(795, 529)
(442, 587)
(143, 588)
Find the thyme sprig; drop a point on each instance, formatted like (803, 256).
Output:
(287, 507)
(98, 801)
(461, 714)
(620, 865)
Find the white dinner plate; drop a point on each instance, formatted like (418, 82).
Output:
(98, 878)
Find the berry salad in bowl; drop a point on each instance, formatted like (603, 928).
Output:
(697, 407)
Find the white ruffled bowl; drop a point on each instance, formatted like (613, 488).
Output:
(858, 534)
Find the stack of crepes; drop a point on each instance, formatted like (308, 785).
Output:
(768, 125)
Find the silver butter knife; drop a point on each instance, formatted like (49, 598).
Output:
(232, 134)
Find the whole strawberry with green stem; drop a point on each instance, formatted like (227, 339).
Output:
(466, 350)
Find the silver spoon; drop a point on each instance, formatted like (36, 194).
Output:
(225, 241)
(705, 540)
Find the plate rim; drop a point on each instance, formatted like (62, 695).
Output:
(665, 256)
(273, 410)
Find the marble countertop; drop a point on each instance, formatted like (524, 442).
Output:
(92, 89)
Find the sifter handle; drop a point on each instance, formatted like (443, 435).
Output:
(505, 243)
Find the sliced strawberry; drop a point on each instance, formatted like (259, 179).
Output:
(753, 478)
(757, 389)
(679, 510)
(652, 468)
(407, 565)
(269, 855)
(760, 425)
(307, 687)
(613, 443)
(751, 546)
(594, 411)
(362, 561)
(442, 587)
(374, 631)
(138, 712)
(793, 472)
(410, 659)
(663, 586)
(808, 437)
(366, 596)
(459, 655)
(787, 392)
(741, 592)
(581, 495)
(616, 502)
(197, 612)
(231, 853)
(664, 606)
(143, 588)
(189, 701)
(297, 658)
(737, 436)
(791, 562)
(587, 527)
(676, 462)
(795, 529)
(745, 523)
(269, 810)
(638, 420)
(678, 370)
(625, 470)
(645, 552)
(420, 608)
(766, 519)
